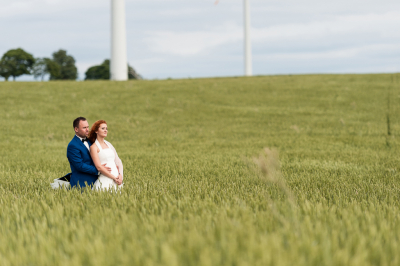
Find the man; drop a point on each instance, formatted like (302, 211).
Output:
(84, 173)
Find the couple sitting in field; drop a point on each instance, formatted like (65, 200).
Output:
(94, 161)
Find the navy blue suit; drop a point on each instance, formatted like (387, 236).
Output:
(82, 166)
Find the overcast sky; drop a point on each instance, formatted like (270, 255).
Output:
(196, 38)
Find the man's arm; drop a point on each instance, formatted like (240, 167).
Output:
(75, 158)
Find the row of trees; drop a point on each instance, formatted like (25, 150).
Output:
(17, 62)
(60, 66)
(103, 72)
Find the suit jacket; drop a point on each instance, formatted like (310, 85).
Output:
(82, 166)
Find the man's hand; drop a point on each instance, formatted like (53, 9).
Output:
(107, 168)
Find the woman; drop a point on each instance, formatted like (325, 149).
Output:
(102, 152)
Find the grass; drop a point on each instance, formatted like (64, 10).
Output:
(199, 187)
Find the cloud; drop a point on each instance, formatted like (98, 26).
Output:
(345, 53)
(180, 38)
(192, 43)
(380, 25)
(344, 31)
(37, 8)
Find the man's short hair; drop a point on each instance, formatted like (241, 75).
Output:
(78, 120)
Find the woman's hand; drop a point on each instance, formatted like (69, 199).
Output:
(118, 180)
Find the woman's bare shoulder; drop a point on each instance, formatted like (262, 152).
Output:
(94, 148)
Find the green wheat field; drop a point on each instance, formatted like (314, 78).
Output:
(272, 170)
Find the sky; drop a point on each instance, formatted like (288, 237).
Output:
(198, 38)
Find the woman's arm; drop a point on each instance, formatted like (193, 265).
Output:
(96, 160)
(118, 161)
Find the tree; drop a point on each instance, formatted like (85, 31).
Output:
(67, 69)
(103, 72)
(54, 70)
(4, 70)
(45, 66)
(39, 69)
(132, 74)
(99, 72)
(16, 62)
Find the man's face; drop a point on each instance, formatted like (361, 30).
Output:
(83, 129)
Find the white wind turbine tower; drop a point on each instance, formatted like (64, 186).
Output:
(248, 69)
(119, 62)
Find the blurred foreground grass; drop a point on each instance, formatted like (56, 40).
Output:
(193, 195)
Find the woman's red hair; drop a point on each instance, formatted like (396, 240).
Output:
(92, 134)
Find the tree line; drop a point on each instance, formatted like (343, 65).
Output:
(102, 71)
(60, 66)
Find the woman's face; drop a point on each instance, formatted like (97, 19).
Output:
(102, 131)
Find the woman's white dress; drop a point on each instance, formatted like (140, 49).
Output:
(108, 157)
